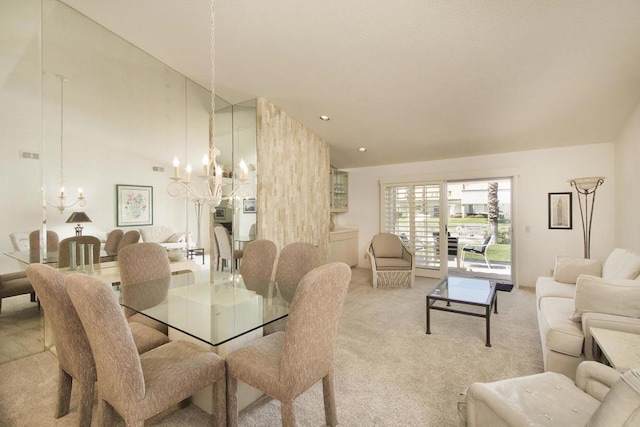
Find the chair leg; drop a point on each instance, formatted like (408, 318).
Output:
(330, 414)
(64, 393)
(288, 414)
(86, 403)
(232, 401)
(487, 261)
(219, 416)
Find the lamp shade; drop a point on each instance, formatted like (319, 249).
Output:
(78, 217)
(587, 183)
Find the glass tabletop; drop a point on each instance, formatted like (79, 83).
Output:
(464, 289)
(212, 311)
(49, 257)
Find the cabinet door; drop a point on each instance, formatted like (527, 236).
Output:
(339, 191)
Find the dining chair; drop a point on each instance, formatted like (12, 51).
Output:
(285, 364)
(227, 254)
(140, 386)
(130, 237)
(145, 275)
(113, 241)
(75, 360)
(64, 255)
(53, 241)
(257, 265)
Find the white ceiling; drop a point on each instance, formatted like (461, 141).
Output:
(410, 80)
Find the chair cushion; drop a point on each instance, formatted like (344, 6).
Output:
(386, 245)
(547, 287)
(556, 329)
(392, 264)
(621, 406)
(568, 268)
(621, 264)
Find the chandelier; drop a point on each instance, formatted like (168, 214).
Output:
(61, 204)
(211, 192)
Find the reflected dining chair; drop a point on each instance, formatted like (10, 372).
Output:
(75, 361)
(64, 255)
(130, 237)
(53, 241)
(227, 254)
(140, 263)
(140, 386)
(113, 241)
(257, 265)
(285, 364)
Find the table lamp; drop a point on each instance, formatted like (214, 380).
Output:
(78, 217)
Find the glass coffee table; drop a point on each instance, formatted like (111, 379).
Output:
(467, 291)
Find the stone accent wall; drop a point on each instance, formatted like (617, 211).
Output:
(293, 181)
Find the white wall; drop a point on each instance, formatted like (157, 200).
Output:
(539, 172)
(627, 161)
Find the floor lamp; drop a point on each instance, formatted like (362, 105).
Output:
(586, 189)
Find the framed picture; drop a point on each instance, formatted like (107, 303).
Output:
(220, 214)
(560, 211)
(134, 205)
(249, 205)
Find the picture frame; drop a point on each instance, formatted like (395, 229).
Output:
(560, 211)
(220, 214)
(134, 205)
(249, 205)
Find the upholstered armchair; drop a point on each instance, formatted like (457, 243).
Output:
(392, 264)
(599, 397)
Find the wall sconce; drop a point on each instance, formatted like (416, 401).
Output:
(586, 189)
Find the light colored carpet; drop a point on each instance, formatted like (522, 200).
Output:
(21, 332)
(388, 371)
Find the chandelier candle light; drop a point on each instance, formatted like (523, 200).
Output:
(586, 189)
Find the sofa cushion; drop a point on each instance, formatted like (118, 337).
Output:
(568, 268)
(556, 329)
(392, 264)
(621, 406)
(621, 264)
(598, 295)
(155, 234)
(175, 238)
(547, 287)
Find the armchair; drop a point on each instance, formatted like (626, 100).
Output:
(392, 264)
(600, 396)
(478, 249)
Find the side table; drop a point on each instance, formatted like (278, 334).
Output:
(193, 252)
(620, 349)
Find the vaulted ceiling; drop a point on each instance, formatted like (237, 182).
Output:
(409, 80)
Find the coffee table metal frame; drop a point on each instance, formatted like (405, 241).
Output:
(490, 303)
(193, 252)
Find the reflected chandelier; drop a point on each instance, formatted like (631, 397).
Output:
(211, 193)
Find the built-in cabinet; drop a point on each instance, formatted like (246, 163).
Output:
(339, 191)
(343, 246)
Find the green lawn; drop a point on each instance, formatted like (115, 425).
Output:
(497, 252)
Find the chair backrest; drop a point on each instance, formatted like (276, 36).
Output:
(252, 231)
(224, 241)
(312, 325)
(257, 264)
(145, 274)
(130, 237)
(64, 254)
(386, 245)
(485, 243)
(72, 345)
(114, 350)
(53, 241)
(113, 241)
(295, 261)
(19, 240)
(621, 405)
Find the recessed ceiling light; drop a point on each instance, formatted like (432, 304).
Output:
(324, 118)
(362, 149)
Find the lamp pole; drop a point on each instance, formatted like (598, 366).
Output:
(586, 189)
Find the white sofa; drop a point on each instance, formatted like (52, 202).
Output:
(164, 236)
(582, 294)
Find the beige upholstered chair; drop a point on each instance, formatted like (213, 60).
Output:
(130, 237)
(53, 241)
(216, 252)
(600, 397)
(285, 364)
(113, 241)
(227, 254)
(14, 284)
(392, 264)
(64, 255)
(140, 386)
(257, 265)
(145, 275)
(19, 241)
(75, 360)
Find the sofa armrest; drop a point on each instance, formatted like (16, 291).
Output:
(619, 297)
(596, 379)
(605, 321)
(485, 406)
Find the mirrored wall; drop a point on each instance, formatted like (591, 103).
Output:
(82, 104)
